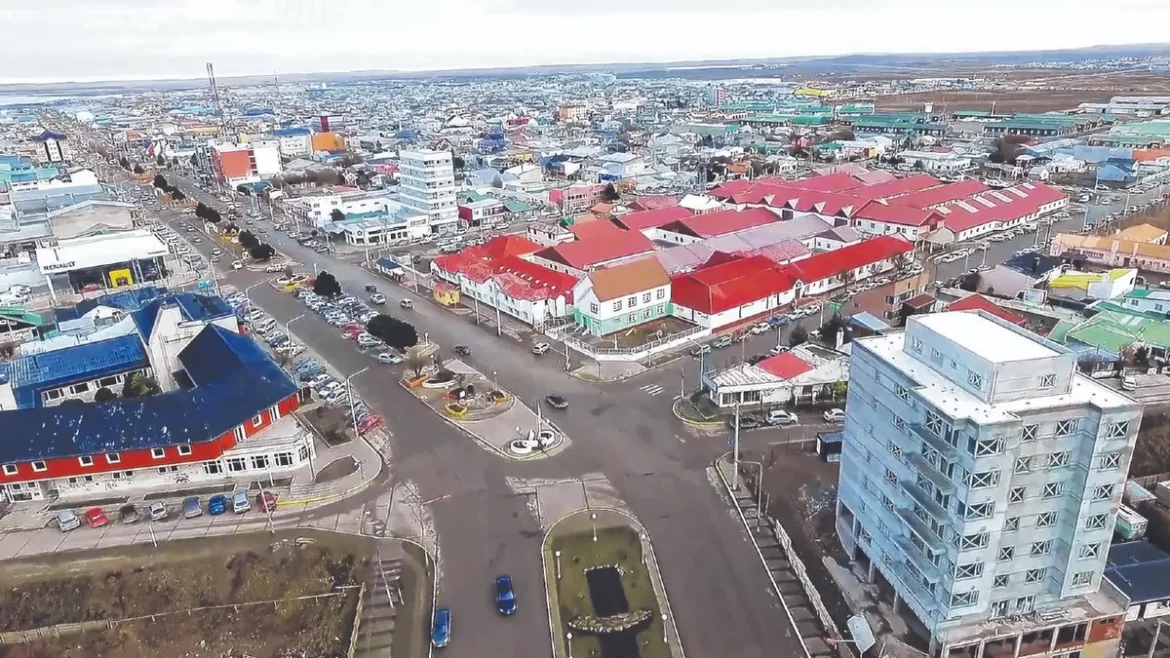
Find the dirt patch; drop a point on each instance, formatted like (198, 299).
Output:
(801, 494)
(337, 469)
(255, 595)
(1003, 101)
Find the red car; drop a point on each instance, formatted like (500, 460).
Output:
(266, 501)
(96, 518)
(352, 332)
(368, 423)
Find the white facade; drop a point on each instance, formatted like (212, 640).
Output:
(317, 210)
(266, 158)
(428, 187)
(980, 472)
(53, 150)
(292, 146)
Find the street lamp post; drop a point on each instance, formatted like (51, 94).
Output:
(569, 643)
(288, 325)
(349, 392)
(735, 451)
(248, 291)
(593, 518)
(665, 635)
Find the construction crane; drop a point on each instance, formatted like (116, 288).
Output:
(216, 99)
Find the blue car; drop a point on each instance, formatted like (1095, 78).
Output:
(217, 505)
(777, 321)
(441, 631)
(505, 595)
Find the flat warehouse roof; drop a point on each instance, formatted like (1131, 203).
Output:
(987, 339)
(99, 250)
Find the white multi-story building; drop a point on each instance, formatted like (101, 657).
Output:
(980, 477)
(428, 187)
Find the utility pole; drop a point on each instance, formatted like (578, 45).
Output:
(735, 452)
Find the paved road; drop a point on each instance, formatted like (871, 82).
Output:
(720, 597)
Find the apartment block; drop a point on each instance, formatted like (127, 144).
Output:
(980, 477)
(428, 187)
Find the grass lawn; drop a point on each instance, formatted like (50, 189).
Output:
(615, 545)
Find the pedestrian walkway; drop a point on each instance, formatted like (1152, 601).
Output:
(652, 389)
(800, 600)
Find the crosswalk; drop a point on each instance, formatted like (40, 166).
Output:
(652, 389)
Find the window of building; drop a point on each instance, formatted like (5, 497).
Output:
(661, 293)
(1017, 494)
(895, 449)
(106, 382)
(983, 479)
(632, 301)
(1040, 547)
(985, 447)
(85, 460)
(302, 453)
(617, 306)
(257, 420)
(283, 459)
(973, 570)
(1011, 524)
(645, 298)
(974, 541)
(1052, 490)
(964, 599)
(1118, 430)
(168, 469)
(1103, 492)
(632, 318)
(1007, 554)
(184, 450)
(661, 309)
(158, 453)
(53, 394)
(901, 392)
(1090, 551)
(238, 433)
(1029, 433)
(980, 511)
(212, 468)
(1096, 522)
(898, 422)
(1000, 582)
(113, 458)
(1081, 579)
(887, 503)
(934, 423)
(1047, 381)
(77, 389)
(236, 464)
(259, 462)
(10, 469)
(975, 380)
(1046, 519)
(1058, 459)
(1025, 603)
(1110, 461)
(1024, 465)
(593, 308)
(915, 343)
(1065, 428)
(1034, 576)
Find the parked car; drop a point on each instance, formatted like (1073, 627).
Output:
(389, 358)
(540, 348)
(834, 416)
(240, 501)
(1129, 383)
(266, 501)
(759, 328)
(745, 422)
(557, 401)
(463, 350)
(505, 596)
(701, 350)
(368, 423)
(128, 514)
(721, 342)
(441, 629)
(780, 417)
(96, 518)
(158, 511)
(217, 504)
(67, 520)
(368, 340)
(192, 507)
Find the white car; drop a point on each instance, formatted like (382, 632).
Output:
(367, 340)
(389, 358)
(540, 348)
(237, 264)
(759, 328)
(834, 416)
(780, 417)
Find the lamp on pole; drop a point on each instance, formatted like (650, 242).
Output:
(349, 392)
(735, 451)
(593, 518)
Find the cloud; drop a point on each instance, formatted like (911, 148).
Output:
(111, 39)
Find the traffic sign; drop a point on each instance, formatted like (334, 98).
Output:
(835, 307)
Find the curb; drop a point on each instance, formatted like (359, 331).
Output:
(650, 554)
(483, 442)
(697, 424)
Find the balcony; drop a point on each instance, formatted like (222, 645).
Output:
(930, 472)
(919, 528)
(932, 508)
(933, 440)
(920, 561)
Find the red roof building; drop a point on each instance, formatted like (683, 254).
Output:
(981, 303)
(598, 229)
(900, 215)
(898, 187)
(723, 222)
(823, 271)
(839, 182)
(731, 291)
(521, 279)
(647, 219)
(654, 202)
(586, 255)
(785, 365)
(995, 210)
(941, 195)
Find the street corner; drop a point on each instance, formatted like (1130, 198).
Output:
(684, 410)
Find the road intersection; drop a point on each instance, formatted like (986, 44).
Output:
(719, 595)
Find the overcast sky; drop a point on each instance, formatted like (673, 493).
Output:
(55, 40)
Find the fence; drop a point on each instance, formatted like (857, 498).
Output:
(810, 590)
(357, 622)
(633, 353)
